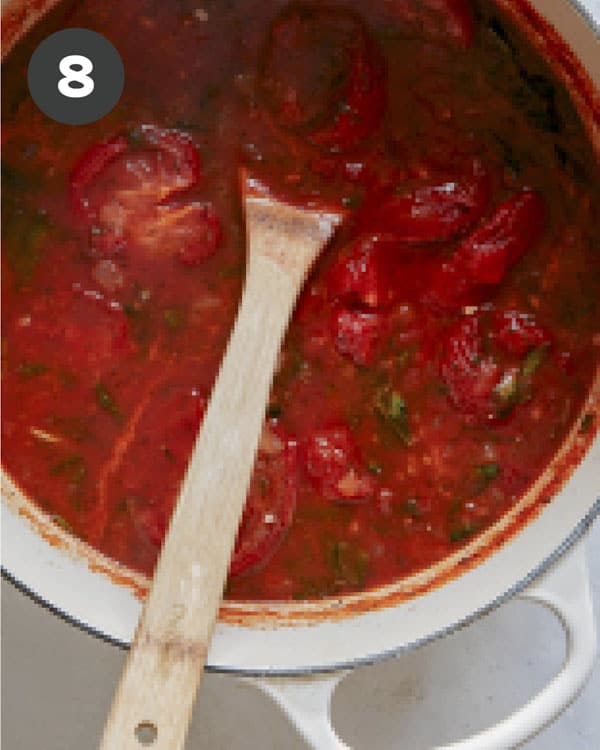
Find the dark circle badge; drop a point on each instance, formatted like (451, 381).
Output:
(75, 76)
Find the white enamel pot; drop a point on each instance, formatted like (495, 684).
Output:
(297, 653)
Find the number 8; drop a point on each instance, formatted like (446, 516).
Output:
(79, 76)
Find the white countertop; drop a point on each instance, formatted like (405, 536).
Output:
(57, 684)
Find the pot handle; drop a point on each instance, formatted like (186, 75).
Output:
(564, 589)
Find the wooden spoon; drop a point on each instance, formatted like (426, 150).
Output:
(153, 703)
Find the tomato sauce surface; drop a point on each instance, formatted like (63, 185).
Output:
(441, 348)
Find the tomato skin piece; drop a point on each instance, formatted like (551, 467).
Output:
(434, 213)
(485, 257)
(333, 464)
(89, 166)
(270, 507)
(453, 19)
(517, 332)
(205, 239)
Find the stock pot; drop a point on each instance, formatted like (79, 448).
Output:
(298, 652)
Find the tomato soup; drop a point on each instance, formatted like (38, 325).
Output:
(441, 348)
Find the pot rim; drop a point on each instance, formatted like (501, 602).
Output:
(226, 657)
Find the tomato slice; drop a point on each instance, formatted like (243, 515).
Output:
(270, 504)
(132, 194)
(322, 75)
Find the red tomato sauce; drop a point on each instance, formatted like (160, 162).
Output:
(441, 348)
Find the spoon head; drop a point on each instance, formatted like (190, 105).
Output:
(290, 235)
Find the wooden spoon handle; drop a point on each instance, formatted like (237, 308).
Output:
(154, 699)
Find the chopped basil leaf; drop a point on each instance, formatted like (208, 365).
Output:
(374, 467)
(30, 369)
(173, 317)
(392, 409)
(461, 532)
(274, 411)
(488, 471)
(533, 360)
(106, 401)
(411, 508)
(25, 235)
(351, 201)
(60, 521)
(348, 563)
(72, 467)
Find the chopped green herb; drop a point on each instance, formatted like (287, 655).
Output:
(232, 270)
(515, 386)
(167, 452)
(533, 360)
(30, 369)
(274, 411)
(60, 521)
(411, 508)
(351, 201)
(72, 467)
(586, 422)
(483, 474)
(488, 471)
(404, 356)
(461, 532)
(392, 409)
(173, 317)
(263, 485)
(25, 235)
(106, 401)
(349, 564)
(374, 467)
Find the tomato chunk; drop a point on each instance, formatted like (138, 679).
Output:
(357, 334)
(485, 257)
(323, 76)
(334, 466)
(131, 194)
(468, 373)
(364, 273)
(270, 504)
(490, 360)
(434, 213)
(517, 332)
